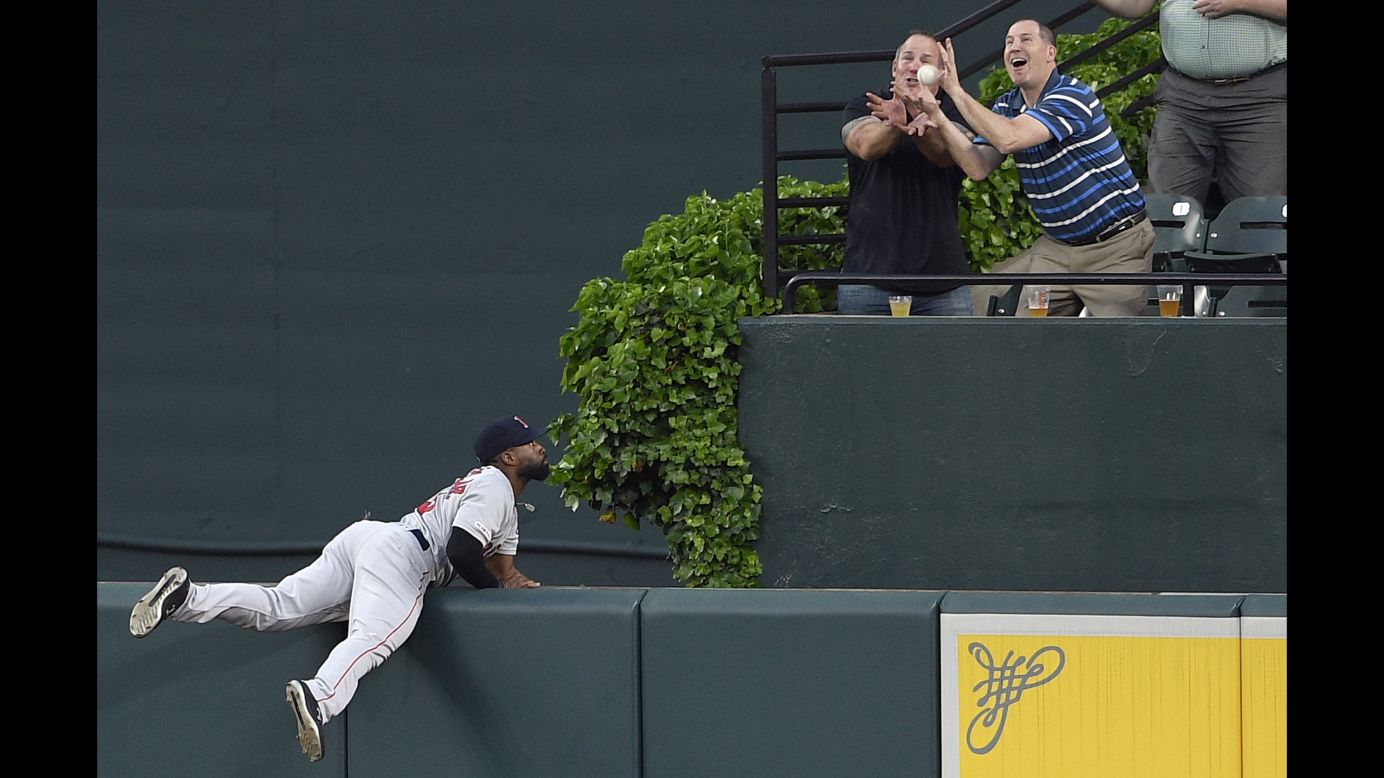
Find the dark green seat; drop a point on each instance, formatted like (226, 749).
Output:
(1004, 304)
(1179, 225)
(1250, 235)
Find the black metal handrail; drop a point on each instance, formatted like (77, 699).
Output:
(1102, 45)
(1188, 281)
(770, 109)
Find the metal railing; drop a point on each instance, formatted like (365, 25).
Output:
(1189, 281)
(770, 109)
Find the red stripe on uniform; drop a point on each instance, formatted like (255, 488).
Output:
(416, 600)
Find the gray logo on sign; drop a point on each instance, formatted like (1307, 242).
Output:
(1006, 683)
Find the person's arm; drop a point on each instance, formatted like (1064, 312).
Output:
(1215, 9)
(870, 140)
(1006, 135)
(932, 144)
(502, 567)
(468, 560)
(1129, 9)
(976, 160)
(871, 137)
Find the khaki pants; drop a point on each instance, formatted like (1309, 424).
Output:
(1129, 252)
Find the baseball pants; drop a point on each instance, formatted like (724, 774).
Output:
(372, 575)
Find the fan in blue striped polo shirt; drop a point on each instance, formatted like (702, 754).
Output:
(1078, 183)
(1071, 167)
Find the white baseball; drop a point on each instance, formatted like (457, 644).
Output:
(927, 74)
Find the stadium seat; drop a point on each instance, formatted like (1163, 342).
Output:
(1179, 226)
(1004, 304)
(1250, 235)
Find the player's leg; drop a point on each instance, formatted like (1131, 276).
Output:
(318, 593)
(167, 596)
(307, 717)
(392, 573)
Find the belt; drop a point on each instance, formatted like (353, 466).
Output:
(1120, 227)
(1236, 79)
(422, 539)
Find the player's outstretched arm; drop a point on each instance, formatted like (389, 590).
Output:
(502, 566)
(468, 560)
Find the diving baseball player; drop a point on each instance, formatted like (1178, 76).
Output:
(375, 574)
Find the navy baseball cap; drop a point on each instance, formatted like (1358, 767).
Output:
(502, 433)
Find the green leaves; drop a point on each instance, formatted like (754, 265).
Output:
(996, 222)
(654, 359)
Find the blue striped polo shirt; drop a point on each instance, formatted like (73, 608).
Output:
(1078, 181)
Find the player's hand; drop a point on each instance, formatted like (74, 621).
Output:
(891, 110)
(518, 580)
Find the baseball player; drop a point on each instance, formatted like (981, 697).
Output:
(375, 574)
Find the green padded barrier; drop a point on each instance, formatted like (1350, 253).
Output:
(1095, 603)
(790, 683)
(525, 683)
(202, 699)
(1265, 605)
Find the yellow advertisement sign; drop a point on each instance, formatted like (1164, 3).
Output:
(1067, 696)
(1264, 663)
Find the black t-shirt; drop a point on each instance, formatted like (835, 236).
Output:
(903, 209)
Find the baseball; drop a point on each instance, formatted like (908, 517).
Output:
(927, 74)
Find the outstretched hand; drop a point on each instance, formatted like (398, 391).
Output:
(920, 124)
(948, 69)
(517, 580)
(895, 111)
(924, 102)
(891, 110)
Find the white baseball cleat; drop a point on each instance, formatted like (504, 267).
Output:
(305, 713)
(167, 596)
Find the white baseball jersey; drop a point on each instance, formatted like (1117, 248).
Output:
(481, 504)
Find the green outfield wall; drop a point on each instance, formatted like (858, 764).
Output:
(681, 682)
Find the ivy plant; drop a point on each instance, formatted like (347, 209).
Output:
(654, 359)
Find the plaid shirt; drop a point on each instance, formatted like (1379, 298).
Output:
(1228, 47)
